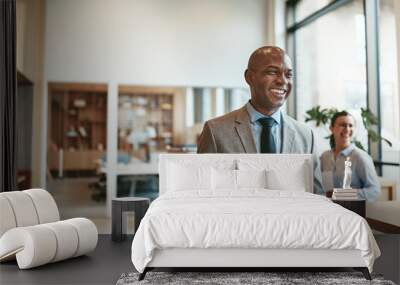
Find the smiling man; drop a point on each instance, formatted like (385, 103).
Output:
(260, 126)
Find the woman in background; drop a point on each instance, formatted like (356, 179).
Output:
(363, 171)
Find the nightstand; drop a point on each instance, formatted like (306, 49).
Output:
(138, 205)
(357, 206)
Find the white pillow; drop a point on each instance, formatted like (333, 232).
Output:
(282, 173)
(227, 179)
(251, 178)
(292, 179)
(182, 177)
(223, 179)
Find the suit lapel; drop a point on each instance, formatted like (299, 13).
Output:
(244, 131)
(288, 136)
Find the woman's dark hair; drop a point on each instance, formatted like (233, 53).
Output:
(333, 120)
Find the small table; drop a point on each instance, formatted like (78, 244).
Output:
(138, 205)
(357, 205)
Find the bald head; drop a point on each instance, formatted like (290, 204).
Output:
(265, 52)
(269, 75)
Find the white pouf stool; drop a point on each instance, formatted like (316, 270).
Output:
(31, 230)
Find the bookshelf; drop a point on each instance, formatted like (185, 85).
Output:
(145, 117)
(77, 125)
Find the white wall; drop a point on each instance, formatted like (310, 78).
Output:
(151, 42)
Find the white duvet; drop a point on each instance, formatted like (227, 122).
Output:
(252, 218)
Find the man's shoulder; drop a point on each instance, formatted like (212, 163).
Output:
(300, 127)
(226, 119)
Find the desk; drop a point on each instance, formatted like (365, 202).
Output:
(134, 172)
(135, 168)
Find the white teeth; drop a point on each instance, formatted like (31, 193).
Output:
(279, 91)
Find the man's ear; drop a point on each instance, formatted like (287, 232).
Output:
(247, 76)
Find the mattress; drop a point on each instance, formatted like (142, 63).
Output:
(251, 219)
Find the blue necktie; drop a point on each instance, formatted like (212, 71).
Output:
(267, 144)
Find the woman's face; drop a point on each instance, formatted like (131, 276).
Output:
(342, 131)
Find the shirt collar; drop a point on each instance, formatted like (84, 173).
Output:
(348, 150)
(255, 115)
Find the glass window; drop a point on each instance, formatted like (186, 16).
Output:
(389, 88)
(198, 104)
(240, 97)
(331, 64)
(306, 7)
(208, 103)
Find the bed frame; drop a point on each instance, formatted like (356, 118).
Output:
(242, 259)
(245, 259)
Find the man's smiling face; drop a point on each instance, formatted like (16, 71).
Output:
(270, 78)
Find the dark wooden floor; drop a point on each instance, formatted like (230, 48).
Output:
(103, 266)
(110, 260)
(389, 262)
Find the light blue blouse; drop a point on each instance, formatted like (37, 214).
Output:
(363, 171)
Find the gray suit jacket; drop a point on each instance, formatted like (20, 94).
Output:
(231, 133)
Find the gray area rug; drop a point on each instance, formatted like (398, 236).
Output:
(226, 278)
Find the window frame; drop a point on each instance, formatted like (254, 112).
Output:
(371, 10)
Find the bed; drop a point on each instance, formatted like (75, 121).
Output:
(247, 210)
